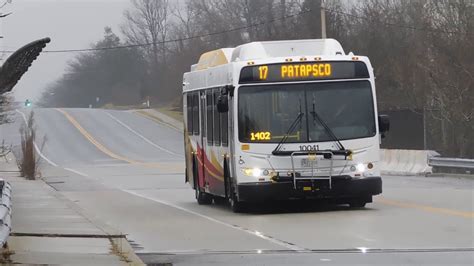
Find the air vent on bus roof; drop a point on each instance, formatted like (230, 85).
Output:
(261, 50)
(213, 58)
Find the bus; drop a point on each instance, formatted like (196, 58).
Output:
(282, 120)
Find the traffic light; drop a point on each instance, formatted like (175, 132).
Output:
(27, 103)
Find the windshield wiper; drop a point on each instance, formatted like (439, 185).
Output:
(290, 130)
(326, 127)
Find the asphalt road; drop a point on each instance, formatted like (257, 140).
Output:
(128, 171)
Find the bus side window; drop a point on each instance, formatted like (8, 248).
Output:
(189, 113)
(195, 98)
(225, 128)
(217, 122)
(202, 112)
(209, 117)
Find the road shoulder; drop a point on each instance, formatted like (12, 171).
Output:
(47, 228)
(161, 118)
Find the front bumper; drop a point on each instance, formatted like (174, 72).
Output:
(343, 187)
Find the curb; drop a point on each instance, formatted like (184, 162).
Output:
(450, 175)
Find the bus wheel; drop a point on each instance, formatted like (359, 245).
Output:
(236, 205)
(203, 198)
(357, 203)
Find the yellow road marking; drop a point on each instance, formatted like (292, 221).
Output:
(92, 140)
(426, 208)
(102, 148)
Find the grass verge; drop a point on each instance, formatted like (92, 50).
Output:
(171, 112)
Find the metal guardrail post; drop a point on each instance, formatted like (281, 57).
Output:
(5, 212)
(451, 162)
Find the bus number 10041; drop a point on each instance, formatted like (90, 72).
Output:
(309, 147)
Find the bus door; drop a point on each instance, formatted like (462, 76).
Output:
(202, 154)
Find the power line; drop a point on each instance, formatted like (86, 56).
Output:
(238, 29)
(178, 39)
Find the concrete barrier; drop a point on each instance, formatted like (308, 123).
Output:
(406, 162)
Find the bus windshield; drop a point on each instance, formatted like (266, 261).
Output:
(266, 112)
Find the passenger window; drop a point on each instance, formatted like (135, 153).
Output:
(189, 113)
(217, 122)
(196, 113)
(202, 112)
(209, 118)
(225, 128)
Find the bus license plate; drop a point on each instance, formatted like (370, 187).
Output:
(308, 163)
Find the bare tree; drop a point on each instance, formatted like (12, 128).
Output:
(421, 50)
(5, 2)
(148, 22)
(450, 72)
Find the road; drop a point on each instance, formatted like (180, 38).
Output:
(128, 171)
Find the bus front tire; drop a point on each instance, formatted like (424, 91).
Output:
(236, 205)
(203, 198)
(357, 203)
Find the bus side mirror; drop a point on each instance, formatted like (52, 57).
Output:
(222, 104)
(384, 124)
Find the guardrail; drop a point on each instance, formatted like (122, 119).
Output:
(4, 151)
(456, 164)
(5, 212)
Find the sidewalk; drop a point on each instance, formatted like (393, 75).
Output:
(50, 229)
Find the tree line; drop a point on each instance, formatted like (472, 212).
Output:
(421, 50)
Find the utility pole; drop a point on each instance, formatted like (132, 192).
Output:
(323, 20)
(425, 146)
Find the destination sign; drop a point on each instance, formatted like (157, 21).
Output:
(303, 71)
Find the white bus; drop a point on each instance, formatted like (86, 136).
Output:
(279, 120)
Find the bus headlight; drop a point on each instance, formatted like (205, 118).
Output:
(360, 168)
(257, 172)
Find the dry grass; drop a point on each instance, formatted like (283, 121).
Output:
(173, 109)
(5, 256)
(171, 112)
(116, 249)
(111, 106)
(28, 161)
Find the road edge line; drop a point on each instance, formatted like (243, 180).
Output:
(141, 136)
(258, 234)
(36, 145)
(38, 150)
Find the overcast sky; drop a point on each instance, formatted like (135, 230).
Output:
(69, 23)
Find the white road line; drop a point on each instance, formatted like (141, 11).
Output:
(141, 136)
(76, 172)
(34, 143)
(43, 156)
(236, 227)
(38, 150)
